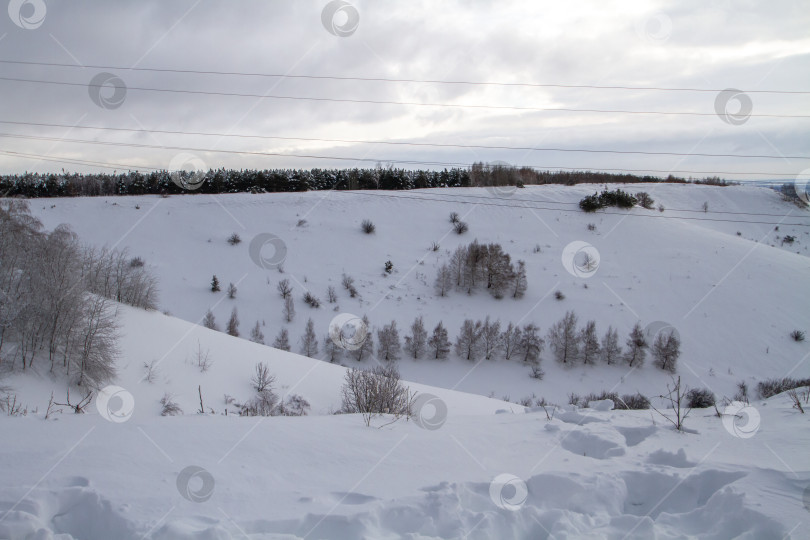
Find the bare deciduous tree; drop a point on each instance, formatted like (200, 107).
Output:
(282, 340)
(636, 347)
(256, 334)
(284, 288)
(589, 344)
(388, 345)
(289, 309)
(611, 350)
(468, 342)
(233, 324)
(374, 392)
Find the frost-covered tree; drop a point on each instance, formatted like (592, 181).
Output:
(282, 340)
(388, 345)
(444, 280)
(589, 349)
(231, 291)
(519, 283)
(563, 339)
(332, 352)
(490, 338)
(636, 347)
(366, 348)
(289, 309)
(530, 344)
(309, 341)
(416, 342)
(468, 342)
(439, 343)
(511, 341)
(611, 350)
(256, 334)
(209, 321)
(233, 324)
(666, 349)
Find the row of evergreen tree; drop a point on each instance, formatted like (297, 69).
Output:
(66, 184)
(485, 339)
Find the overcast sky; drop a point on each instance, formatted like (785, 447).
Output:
(707, 44)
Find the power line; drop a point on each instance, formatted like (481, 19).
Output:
(399, 143)
(419, 196)
(391, 102)
(395, 80)
(364, 159)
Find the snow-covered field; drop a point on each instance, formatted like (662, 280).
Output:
(493, 469)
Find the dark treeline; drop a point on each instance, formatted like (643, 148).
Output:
(279, 180)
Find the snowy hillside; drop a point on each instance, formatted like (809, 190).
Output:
(466, 465)
(733, 299)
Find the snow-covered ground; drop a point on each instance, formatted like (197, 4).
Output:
(485, 468)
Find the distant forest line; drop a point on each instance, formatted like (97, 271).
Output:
(291, 180)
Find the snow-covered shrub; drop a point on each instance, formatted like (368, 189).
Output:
(375, 391)
(234, 239)
(367, 226)
(170, 407)
(700, 398)
(771, 387)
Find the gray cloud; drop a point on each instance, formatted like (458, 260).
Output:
(715, 44)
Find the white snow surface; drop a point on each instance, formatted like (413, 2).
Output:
(494, 469)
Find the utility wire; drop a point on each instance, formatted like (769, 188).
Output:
(394, 80)
(363, 159)
(391, 102)
(399, 143)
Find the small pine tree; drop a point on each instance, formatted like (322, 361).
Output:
(282, 340)
(611, 350)
(589, 344)
(333, 353)
(490, 338)
(284, 288)
(209, 321)
(215, 284)
(366, 348)
(511, 341)
(468, 342)
(531, 344)
(256, 335)
(289, 309)
(233, 324)
(636, 347)
(415, 343)
(309, 341)
(231, 291)
(388, 344)
(519, 283)
(666, 349)
(444, 280)
(563, 339)
(439, 343)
